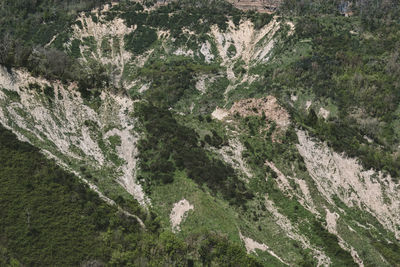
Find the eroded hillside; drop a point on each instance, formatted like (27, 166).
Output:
(198, 124)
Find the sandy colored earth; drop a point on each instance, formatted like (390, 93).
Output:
(62, 125)
(179, 213)
(251, 246)
(232, 154)
(292, 232)
(259, 106)
(245, 39)
(220, 114)
(323, 113)
(337, 175)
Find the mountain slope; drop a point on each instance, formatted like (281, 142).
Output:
(268, 130)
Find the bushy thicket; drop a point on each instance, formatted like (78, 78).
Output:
(259, 149)
(172, 79)
(140, 40)
(344, 135)
(197, 16)
(169, 146)
(355, 66)
(178, 14)
(36, 22)
(27, 26)
(372, 14)
(49, 218)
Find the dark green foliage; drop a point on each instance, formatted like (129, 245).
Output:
(212, 245)
(52, 64)
(231, 51)
(312, 118)
(259, 19)
(215, 140)
(358, 74)
(49, 218)
(94, 78)
(391, 251)
(238, 68)
(27, 26)
(14, 96)
(36, 22)
(378, 14)
(131, 12)
(185, 14)
(169, 146)
(213, 97)
(172, 79)
(209, 249)
(323, 238)
(140, 40)
(49, 92)
(310, 7)
(343, 67)
(6, 259)
(106, 47)
(75, 48)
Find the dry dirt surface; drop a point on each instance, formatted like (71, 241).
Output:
(258, 106)
(251, 246)
(62, 129)
(179, 213)
(337, 175)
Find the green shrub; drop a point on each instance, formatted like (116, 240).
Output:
(140, 40)
(50, 218)
(168, 146)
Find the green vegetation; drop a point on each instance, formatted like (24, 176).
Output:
(231, 51)
(169, 146)
(14, 96)
(260, 148)
(26, 27)
(31, 26)
(140, 40)
(351, 62)
(349, 65)
(186, 14)
(36, 22)
(172, 79)
(50, 218)
(106, 47)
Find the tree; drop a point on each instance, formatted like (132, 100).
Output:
(6, 47)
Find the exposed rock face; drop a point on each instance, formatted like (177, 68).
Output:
(70, 131)
(268, 106)
(263, 6)
(336, 175)
(258, 106)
